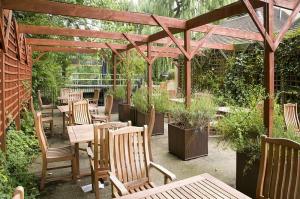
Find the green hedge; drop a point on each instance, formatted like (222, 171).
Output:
(22, 149)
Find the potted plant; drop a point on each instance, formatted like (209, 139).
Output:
(132, 66)
(161, 104)
(119, 97)
(188, 136)
(241, 130)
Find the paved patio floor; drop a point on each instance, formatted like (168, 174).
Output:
(220, 163)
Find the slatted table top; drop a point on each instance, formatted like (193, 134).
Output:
(81, 133)
(202, 186)
(65, 108)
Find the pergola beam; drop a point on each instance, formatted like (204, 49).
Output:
(64, 49)
(140, 39)
(83, 44)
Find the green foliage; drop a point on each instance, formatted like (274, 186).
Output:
(132, 66)
(119, 93)
(159, 99)
(22, 149)
(198, 115)
(140, 101)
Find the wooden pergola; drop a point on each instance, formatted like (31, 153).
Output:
(159, 44)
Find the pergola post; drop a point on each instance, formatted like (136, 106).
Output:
(269, 70)
(187, 66)
(149, 74)
(114, 62)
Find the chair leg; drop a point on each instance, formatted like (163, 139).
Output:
(43, 176)
(96, 187)
(51, 128)
(73, 162)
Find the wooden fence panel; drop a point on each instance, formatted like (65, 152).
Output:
(16, 73)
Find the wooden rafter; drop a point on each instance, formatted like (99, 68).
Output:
(172, 37)
(158, 54)
(84, 44)
(258, 24)
(287, 24)
(64, 49)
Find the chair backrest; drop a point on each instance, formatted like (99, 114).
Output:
(108, 104)
(151, 120)
(18, 193)
(40, 99)
(81, 113)
(101, 140)
(96, 95)
(129, 155)
(291, 117)
(279, 171)
(75, 96)
(39, 130)
(64, 92)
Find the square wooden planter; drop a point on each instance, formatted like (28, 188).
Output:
(115, 106)
(124, 112)
(187, 143)
(132, 115)
(246, 182)
(142, 118)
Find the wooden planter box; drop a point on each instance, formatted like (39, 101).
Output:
(246, 182)
(124, 112)
(187, 143)
(132, 115)
(142, 118)
(115, 106)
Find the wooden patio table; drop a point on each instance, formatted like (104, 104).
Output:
(80, 134)
(201, 186)
(65, 109)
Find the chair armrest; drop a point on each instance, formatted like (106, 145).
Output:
(90, 152)
(164, 171)
(103, 118)
(118, 184)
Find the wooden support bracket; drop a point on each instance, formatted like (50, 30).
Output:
(287, 24)
(2, 34)
(137, 47)
(8, 28)
(39, 57)
(114, 50)
(159, 54)
(202, 41)
(172, 37)
(258, 24)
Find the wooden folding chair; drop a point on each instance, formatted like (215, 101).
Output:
(279, 171)
(18, 193)
(80, 113)
(64, 95)
(75, 96)
(129, 161)
(94, 101)
(99, 152)
(51, 155)
(151, 122)
(291, 117)
(45, 119)
(106, 117)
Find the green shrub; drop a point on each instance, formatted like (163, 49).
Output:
(119, 93)
(198, 115)
(22, 149)
(159, 99)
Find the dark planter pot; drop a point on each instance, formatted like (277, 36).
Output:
(142, 118)
(132, 115)
(115, 106)
(124, 112)
(187, 143)
(246, 182)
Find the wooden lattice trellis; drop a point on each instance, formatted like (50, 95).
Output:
(16, 65)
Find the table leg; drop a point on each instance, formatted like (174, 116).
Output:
(64, 123)
(77, 160)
